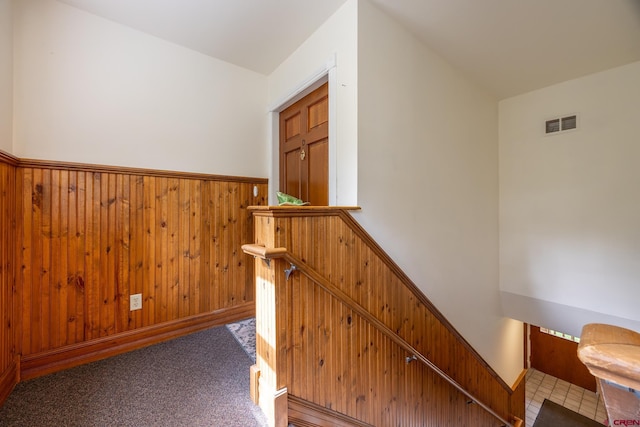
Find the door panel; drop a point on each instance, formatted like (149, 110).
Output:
(304, 148)
(292, 126)
(319, 173)
(318, 113)
(292, 173)
(559, 357)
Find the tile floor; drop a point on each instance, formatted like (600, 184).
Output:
(541, 386)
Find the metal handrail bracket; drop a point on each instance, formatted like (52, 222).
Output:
(289, 271)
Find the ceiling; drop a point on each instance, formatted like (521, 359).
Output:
(507, 46)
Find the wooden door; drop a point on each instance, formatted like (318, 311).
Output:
(304, 148)
(559, 357)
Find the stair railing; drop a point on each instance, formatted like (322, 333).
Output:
(612, 355)
(296, 264)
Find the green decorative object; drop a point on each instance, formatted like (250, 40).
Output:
(288, 200)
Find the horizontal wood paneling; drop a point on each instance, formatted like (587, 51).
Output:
(337, 360)
(8, 249)
(93, 236)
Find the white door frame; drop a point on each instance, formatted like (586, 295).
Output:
(327, 73)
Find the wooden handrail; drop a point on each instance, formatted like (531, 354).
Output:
(371, 242)
(261, 252)
(282, 253)
(343, 213)
(612, 355)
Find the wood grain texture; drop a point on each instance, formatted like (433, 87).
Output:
(517, 399)
(340, 362)
(559, 357)
(8, 380)
(76, 240)
(612, 353)
(305, 414)
(94, 237)
(9, 232)
(622, 405)
(89, 351)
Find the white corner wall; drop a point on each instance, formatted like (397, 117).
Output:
(570, 203)
(428, 181)
(6, 76)
(335, 39)
(90, 90)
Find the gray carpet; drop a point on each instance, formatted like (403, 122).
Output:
(198, 380)
(553, 415)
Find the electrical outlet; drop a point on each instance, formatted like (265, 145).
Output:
(135, 302)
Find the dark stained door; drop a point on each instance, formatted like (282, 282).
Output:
(559, 357)
(304, 148)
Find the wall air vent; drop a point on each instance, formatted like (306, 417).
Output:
(560, 124)
(570, 122)
(552, 126)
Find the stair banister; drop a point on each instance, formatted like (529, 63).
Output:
(297, 264)
(612, 355)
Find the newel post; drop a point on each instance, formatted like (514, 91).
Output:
(269, 376)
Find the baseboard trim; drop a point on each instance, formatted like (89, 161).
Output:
(306, 414)
(47, 362)
(8, 381)
(520, 380)
(517, 407)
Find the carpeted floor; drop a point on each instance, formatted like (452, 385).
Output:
(244, 332)
(198, 380)
(553, 415)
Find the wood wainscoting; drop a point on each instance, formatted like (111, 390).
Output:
(94, 236)
(335, 334)
(8, 261)
(81, 239)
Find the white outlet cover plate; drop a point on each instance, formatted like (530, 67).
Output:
(135, 302)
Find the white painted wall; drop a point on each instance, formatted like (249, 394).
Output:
(336, 38)
(428, 181)
(6, 76)
(570, 203)
(89, 90)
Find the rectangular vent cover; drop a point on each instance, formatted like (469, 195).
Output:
(561, 124)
